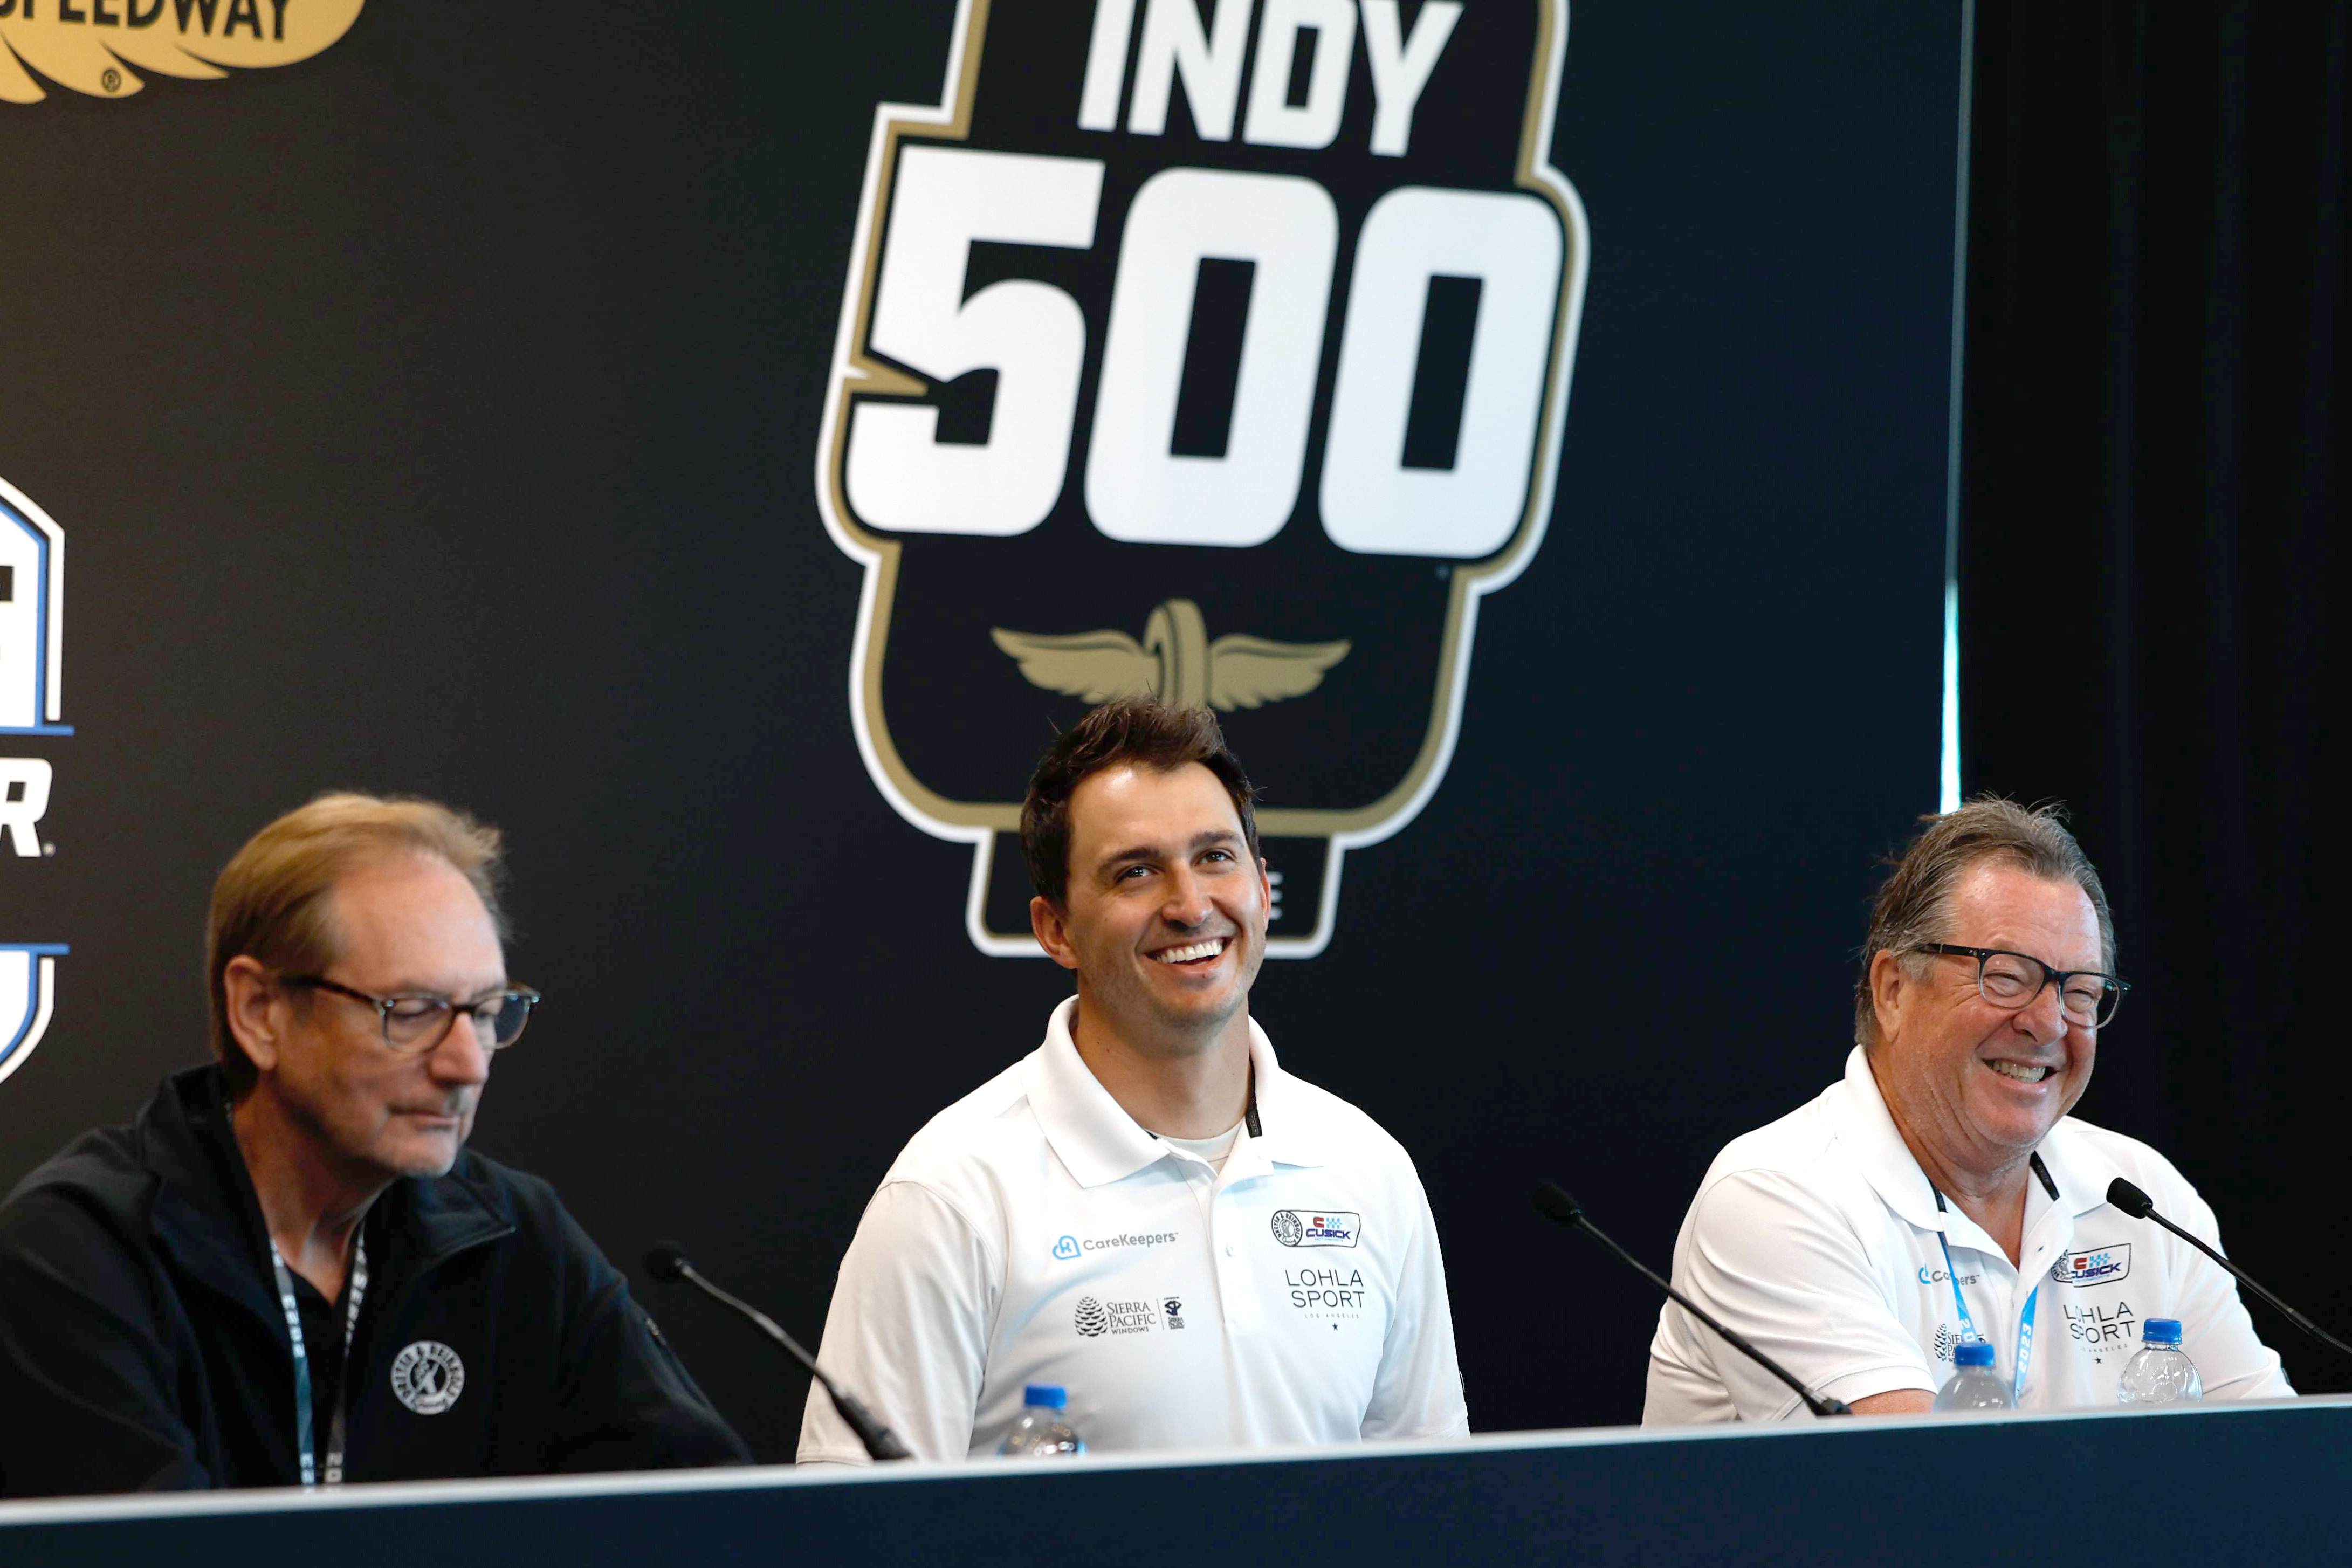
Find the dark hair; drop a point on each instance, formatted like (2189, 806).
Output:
(1914, 903)
(1138, 731)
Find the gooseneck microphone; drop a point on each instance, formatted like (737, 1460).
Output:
(666, 1261)
(1554, 1203)
(2140, 1206)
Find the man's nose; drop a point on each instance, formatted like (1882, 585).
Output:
(460, 1058)
(1187, 901)
(2041, 1016)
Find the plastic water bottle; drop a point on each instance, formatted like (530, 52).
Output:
(2161, 1373)
(1974, 1386)
(1042, 1433)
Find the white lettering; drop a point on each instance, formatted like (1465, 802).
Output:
(1106, 65)
(1401, 66)
(24, 796)
(1210, 62)
(1032, 334)
(1137, 489)
(1274, 122)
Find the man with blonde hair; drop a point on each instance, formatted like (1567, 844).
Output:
(289, 1270)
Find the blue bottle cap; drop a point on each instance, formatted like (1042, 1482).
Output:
(1972, 1353)
(1052, 1396)
(2160, 1332)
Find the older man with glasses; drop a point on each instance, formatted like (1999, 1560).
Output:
(290, 1270)
(1940, 1193)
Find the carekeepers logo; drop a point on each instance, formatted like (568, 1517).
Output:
(99, 46)
(2100, 1265)
(1215, 349)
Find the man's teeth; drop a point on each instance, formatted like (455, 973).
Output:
(1187, 954)
(2021, 1073)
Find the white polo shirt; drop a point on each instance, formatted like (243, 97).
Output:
(1820, 1240)
(1032, 1232)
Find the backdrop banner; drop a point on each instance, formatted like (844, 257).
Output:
(720, 445)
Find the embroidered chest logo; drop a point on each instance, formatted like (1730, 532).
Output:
(1307, 1227)
(427, 1377)
(2099, 1266)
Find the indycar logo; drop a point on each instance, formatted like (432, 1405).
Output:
(1215, 349)
(91, 46)
(28, 985)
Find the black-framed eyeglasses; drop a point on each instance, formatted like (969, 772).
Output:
(2012, 980)
(417, 1021)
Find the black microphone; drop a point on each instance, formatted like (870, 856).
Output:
(1553, 1202)
(2140, 1206)
(665, 1262)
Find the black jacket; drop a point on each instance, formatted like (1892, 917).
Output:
(143, 1344)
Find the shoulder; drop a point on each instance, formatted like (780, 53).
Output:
(529, 1203)
(2096, 1150)
(1801, 1145)
(994, 1124)
(1348, 1133)
(100, 1180)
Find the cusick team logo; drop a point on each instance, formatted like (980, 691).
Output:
(2100, 1265)
(1305, 1227)
(1215, 349)
(92, 46)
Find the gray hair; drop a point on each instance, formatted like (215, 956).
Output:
(1914, 903)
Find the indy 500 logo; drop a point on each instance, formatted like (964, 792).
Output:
(1217, 349)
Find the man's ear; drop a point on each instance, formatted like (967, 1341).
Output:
(1051, 925)
(256, 1011)
(1891, 990)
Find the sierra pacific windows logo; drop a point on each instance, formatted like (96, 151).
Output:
(1092, 1322)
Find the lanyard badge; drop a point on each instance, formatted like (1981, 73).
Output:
(304, 1435)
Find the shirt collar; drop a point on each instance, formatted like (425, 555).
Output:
(1859, 1115)
(2080, 1172)
(1099, 1143)
(1868, 1129)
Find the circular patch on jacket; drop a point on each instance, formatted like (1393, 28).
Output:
(427, 1377)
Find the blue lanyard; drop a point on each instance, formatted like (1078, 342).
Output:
(1969, 1324)
(304, 1422)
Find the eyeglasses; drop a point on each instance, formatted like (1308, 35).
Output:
(417, 1021)
(2013, 980)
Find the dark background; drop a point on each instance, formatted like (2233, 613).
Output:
(2152, 492)
(439, 415)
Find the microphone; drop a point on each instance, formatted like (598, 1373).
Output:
(2140, 1206)
(1554, 1203)
(666, 1261)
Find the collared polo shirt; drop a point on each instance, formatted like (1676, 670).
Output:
(1820, 1240)
(1033, 1233)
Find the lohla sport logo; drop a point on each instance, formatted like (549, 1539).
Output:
(99, 46)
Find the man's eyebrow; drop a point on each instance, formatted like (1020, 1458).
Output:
(1205, 839)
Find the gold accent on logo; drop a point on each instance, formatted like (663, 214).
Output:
(85, 44)
(858, 374)
(1175, 662)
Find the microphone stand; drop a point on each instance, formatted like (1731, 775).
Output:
(1555, 1205)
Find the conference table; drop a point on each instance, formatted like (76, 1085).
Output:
(2229, 1483)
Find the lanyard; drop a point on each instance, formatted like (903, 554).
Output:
(303, 1419)
(1969, 1324)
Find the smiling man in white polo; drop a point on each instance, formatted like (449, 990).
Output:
(1939, 1192)
(1147, 1210)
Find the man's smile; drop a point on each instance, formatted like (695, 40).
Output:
(1193, 953)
